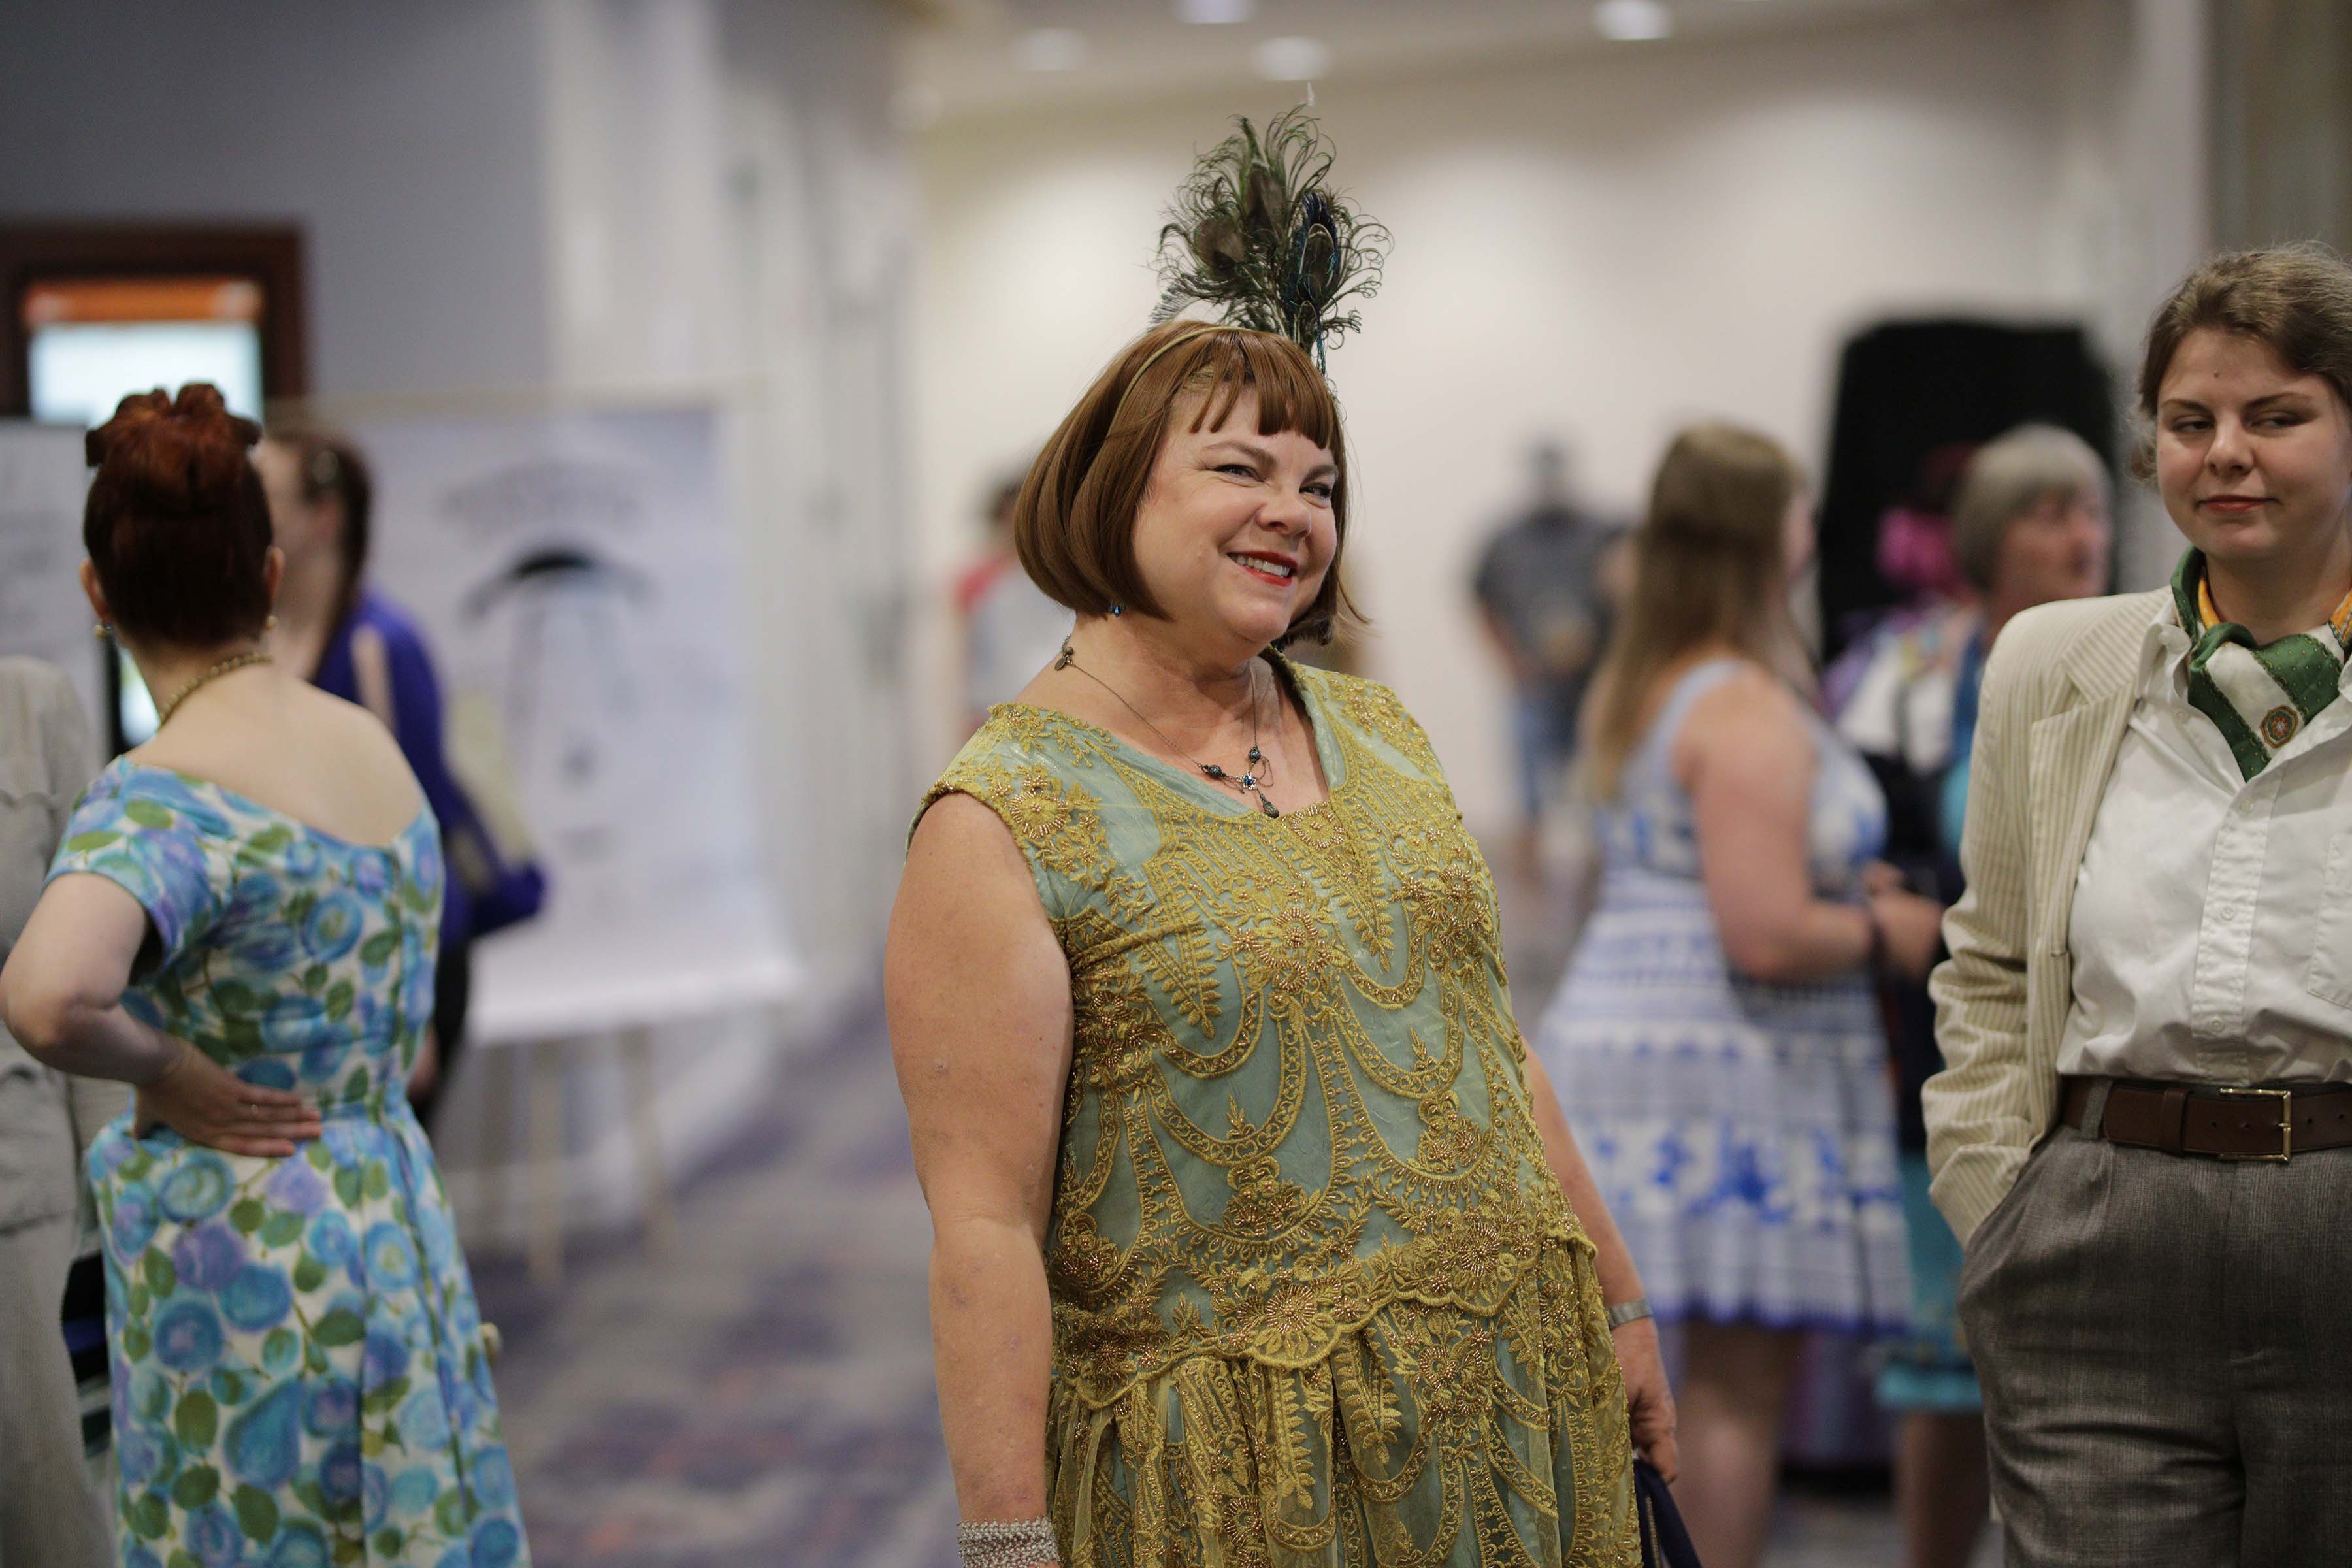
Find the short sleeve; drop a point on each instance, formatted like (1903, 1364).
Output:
(1032, 804)
(153, 850)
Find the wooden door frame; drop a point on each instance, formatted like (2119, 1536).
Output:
(270, 254)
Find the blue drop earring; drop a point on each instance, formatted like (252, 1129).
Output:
(1118, 610)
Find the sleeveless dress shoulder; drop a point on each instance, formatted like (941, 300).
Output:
(1317, 1296)
(298, 1372)
(1742, 1133)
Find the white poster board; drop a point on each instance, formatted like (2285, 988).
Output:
(42, 611)
(574, 577)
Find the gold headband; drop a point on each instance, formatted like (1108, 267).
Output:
(1199, 329)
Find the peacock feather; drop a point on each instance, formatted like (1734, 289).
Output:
(1256, 233)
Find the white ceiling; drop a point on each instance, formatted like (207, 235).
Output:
(960, 57)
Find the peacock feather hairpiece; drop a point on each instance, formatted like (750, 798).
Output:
(1257, 233)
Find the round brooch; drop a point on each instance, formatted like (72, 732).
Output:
(2280, 724)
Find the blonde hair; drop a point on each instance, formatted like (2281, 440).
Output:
(1707, 568)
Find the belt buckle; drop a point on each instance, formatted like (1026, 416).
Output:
(2285, 1097)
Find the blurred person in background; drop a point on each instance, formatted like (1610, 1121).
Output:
(2029, 525)
(1717, 1042)
(51, 1513)
(241, 922)
(2141, 1137)
(1011, 630)
(1544, 587)
(353, 642)
(1241, 1179)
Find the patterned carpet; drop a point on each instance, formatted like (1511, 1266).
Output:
(763, 1396)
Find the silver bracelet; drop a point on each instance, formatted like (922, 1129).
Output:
(1008, 1543)
(1632, 1311)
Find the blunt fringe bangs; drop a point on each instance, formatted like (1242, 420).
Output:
(1073, 525)
(2295, 299)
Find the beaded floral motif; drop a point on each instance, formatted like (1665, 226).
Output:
(1314, 1289)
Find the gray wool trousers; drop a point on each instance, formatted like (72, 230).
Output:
(2165, 1344)
(49, 1516)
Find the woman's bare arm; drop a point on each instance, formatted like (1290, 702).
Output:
(1748, 763)
(61, 992)
(61, 996)
(979, 998)
(1650, 1401)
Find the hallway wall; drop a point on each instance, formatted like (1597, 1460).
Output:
(523, 204)
(1603, 246)
(419, 179)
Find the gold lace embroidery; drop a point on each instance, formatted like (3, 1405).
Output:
(1314, 1289)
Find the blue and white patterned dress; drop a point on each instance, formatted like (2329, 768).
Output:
(297, 1366)
(1742, 1133)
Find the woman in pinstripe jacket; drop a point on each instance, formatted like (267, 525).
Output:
(2144, 1134)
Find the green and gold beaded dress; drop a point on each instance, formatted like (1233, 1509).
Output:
(1317, 1297)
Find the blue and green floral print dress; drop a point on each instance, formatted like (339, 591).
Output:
(297, 1364)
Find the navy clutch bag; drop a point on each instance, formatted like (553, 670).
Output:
(1664, 1542)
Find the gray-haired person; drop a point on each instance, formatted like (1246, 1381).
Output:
(2030, 526)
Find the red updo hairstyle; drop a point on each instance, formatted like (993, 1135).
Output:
(177, 524)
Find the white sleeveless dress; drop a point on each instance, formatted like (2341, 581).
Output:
(1742, 1133)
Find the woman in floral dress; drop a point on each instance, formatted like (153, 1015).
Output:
(242, 923)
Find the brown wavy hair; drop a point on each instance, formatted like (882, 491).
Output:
(1073, 526)
(176, 523)
(2295, 298)
(1707, 568)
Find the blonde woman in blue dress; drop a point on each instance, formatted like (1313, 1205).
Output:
(242, 923)
(1716, 1040)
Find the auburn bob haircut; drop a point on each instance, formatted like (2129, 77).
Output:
(1073, 525)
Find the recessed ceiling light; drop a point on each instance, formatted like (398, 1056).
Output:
(1215, 13)
(1632, 20)
(1292, 59)
(1050, 49)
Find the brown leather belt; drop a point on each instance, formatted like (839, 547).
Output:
(2223, 1123)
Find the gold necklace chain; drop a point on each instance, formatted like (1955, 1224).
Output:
(1247, 784)
(234, 662)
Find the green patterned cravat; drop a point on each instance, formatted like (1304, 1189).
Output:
(2259, 698)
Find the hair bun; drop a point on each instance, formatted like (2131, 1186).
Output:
(175, 455)
(130, 414)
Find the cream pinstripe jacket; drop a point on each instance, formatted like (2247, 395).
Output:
(2058, 693)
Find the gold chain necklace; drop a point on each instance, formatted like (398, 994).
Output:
(1247, 784)
(235, 661)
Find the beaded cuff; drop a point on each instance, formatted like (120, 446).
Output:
(1008, 1543)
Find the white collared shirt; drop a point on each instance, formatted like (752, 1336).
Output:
(2212, 931)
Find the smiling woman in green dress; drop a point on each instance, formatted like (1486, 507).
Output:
(241, 922)
(1259, 1239)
